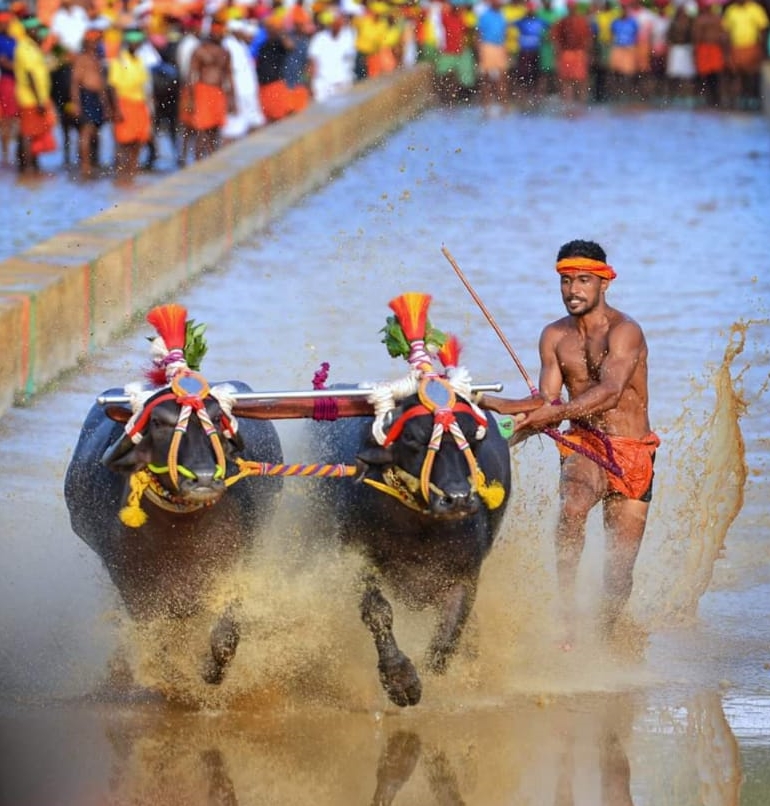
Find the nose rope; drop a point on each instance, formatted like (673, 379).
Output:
(189, 404)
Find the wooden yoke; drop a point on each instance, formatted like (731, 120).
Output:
(299, 407)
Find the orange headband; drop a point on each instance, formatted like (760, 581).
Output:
(575, 265)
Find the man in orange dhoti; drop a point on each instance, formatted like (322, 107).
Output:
(210, 92)
(128, 79)
(599, 354)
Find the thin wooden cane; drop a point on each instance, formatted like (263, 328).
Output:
(491, 320)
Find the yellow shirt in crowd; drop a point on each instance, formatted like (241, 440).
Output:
(128, 76)
(29, 65)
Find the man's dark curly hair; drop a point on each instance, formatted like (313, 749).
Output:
(589, 249)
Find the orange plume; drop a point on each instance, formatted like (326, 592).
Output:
(171, 322)
(449, 352)
(411, 310)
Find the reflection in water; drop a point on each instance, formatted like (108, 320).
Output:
(605, 749)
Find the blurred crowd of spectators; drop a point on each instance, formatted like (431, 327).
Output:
(203, 72)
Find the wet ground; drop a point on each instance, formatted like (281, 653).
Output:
(680, 201)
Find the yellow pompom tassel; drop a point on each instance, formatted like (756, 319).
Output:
(132, 514)
(492, 494)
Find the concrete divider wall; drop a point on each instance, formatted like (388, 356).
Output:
(72, 293)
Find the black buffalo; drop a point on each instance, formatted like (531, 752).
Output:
(426, 552)
(193, 529)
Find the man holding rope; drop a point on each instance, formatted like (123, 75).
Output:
(599, 354)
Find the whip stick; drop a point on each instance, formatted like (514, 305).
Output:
(491, 320)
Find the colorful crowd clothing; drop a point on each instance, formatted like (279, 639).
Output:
(745, 23)
(572, 65)
(30, 66)
(8, 106)
(92, 107)
(709, 58)
(634, 457)
(128, 76)
(134, 124)
(209, 107)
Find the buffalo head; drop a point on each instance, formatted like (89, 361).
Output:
(182, 437)
(428, 454)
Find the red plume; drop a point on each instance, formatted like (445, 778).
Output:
(411, 310)
(449, 353)
(171, 323)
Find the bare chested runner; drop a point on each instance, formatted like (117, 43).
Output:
(599, 354)
(90, 104)
(209, 94)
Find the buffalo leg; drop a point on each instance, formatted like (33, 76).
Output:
(397, 673)
(224, 641)
(455, 609)
(396, 766)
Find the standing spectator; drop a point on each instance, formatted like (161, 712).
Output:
(299, 27)
(188, 44)
(550, 16)
(623, 53)
(152, 60)
(166, 89)
(603, 17)
(247, 115)
(493, 57)
(746, 23)
(659, 23)
(680, 64)
(33, 97)
(276, 98)
(645, 19)
(710, 43)
(9, 111)
(370, 33)
(331, 56)
(573, 42)
(455, 62)
(90, 103)
(68, 27)
(128, 81)
(533, 30)
(211, 94)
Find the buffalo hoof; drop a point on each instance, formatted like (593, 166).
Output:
(400, 680)
(224, 641)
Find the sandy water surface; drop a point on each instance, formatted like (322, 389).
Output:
(680, 201)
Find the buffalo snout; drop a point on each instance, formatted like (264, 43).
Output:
(202, 486)
(454, 504)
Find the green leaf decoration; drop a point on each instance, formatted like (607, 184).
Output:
(397, 345)
(394, 339)
(195, 346)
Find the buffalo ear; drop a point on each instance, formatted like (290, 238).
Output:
(118, 413)
(376, 455)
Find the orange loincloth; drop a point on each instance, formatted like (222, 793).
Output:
(633, 456)
(279, 100)
(709, 58)
(208, 110)
(38, 127)
(134, 127)
(572, 65)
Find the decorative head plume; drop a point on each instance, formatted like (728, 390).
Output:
(179, 344)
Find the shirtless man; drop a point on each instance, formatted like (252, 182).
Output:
(600, 355)
(210, 93)
(90, 104)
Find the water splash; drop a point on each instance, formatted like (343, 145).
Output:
(700, 491)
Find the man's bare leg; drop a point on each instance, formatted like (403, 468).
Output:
(624, 523)
(581, 488)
